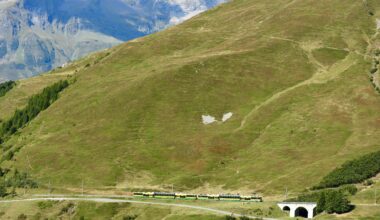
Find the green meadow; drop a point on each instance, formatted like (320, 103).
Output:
(295, 75)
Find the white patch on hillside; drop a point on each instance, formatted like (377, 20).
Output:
(378, 23)
(208, 119)
(227, 116)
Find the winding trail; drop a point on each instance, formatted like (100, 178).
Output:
(322, 75)
(119, 200)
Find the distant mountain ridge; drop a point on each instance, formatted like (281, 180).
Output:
(38, 35)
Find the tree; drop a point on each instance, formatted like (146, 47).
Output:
(336, 202)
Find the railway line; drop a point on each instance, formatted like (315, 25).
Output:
(172, 195)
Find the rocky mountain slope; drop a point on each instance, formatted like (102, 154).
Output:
(36, 36)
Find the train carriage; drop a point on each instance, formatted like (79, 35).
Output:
(229, 197)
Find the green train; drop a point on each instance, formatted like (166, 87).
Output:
(235, 197)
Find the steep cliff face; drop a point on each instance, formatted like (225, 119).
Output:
(38, 35)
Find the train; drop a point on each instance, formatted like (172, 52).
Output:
(172, 195)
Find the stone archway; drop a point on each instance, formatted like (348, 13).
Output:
(299, 209)
(302, 212)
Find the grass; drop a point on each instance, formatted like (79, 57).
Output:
(133, 117)
(17, 98)
(327, 56)
(93, 211)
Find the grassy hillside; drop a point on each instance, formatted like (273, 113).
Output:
(293, 73)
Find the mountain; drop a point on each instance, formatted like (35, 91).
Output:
(38, 35)
(252, 96)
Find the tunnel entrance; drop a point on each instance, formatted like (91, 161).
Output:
(301, 212)
(286, 208)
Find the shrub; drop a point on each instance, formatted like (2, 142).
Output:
(130, 217)
(368, 182)
(22, 217)
(230, 217)
(258, 212)
(68, 209)
(46, 204)
(3, 190)
(21, 180)
(336, 202)
(354, 171)
(349, 189)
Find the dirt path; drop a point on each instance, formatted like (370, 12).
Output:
(322, 75)
(119, 200)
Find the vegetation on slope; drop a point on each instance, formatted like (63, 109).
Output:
(330, 200)
(36, 104)
(6, 87)
(134, 118)
(354, 171)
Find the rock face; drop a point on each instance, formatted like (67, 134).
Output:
(38, 35)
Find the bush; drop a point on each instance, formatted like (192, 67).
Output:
(258, 212)
(68, 209)
(22, 217)
(349, 189)
(336, 202)
(130, 217)
(46, 204)
(230, 217)
(3, 190)
(368, 182)
(20, 180)
(351, 172)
